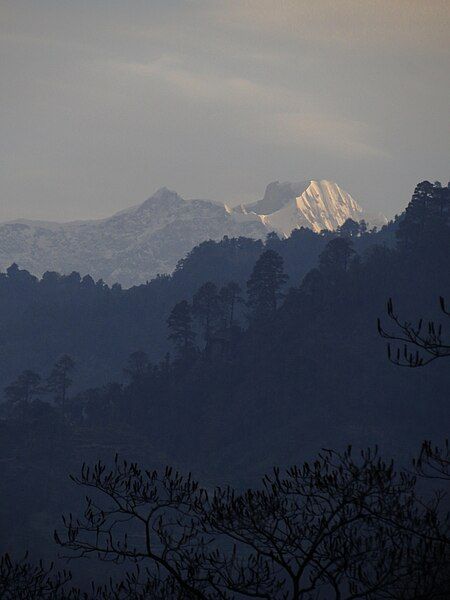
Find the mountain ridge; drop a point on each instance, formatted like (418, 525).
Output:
(137, 243)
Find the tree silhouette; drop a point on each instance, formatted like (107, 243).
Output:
(137, 365)
(340, 527)
(58, 382)
(265, 284)
(426, 218)
(21, 392)
(425, 338)
(180, 327)
(230, 297)
(336, 257)
(206, 307)
(434, 462)
(350, 228)
(21, 580)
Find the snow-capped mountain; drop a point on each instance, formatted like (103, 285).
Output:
(314, 204)
(130, 247)
(136, 244)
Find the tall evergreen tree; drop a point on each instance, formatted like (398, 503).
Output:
(206, 307)
(59, 381)
(337, 256)
(265, 284)
(230, 297)
(180, 327)
(350, 228)
(21, 392)
(137, 365)
(24, 388)
(426, 218)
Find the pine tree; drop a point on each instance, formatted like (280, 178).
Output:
(265, 284)
(24, 388)
(137, 365)
(426, 218)
(206, 307)
(230, 297)
(350, 228)
(58, 382)
(336, 257)
(180, 327)
(21, 392)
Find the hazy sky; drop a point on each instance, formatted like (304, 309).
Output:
(104, 101)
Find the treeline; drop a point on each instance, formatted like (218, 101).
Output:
(268, 349)
(99, 326)
(258, 370)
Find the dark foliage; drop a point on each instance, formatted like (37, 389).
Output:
(99, 326)
(245, 396)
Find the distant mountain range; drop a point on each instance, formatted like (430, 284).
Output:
(314, 204)
(136, 244)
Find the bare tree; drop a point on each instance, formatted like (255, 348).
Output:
(138, 515)
(424, 337)
(339, 528)
(342, 527)
(434, 461)
(21, 580)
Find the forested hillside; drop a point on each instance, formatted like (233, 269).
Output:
(99, 325)
(262, 369)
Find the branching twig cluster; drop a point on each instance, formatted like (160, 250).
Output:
(425, 338)
(23, 581)
(341, 527)
(434, 462)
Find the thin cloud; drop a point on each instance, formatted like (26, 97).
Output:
(111, 100)
(332, 134)
(269, 113)
(411, 23)
(200, 87)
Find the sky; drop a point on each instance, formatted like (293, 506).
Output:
(102, 102)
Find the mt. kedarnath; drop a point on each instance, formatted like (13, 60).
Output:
(135, 244)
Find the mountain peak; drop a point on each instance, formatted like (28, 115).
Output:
(316, 204)
(277, 195)
(163, 198)
(163, 194)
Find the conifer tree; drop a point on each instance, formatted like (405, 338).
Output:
(24, 388)
(337, 256)
(206, 307)
(21, 392)
(58, 382)
(137, 365)
(230, 297)
(350, 228)
(180, 327)
(265, 284)
(426, 218)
